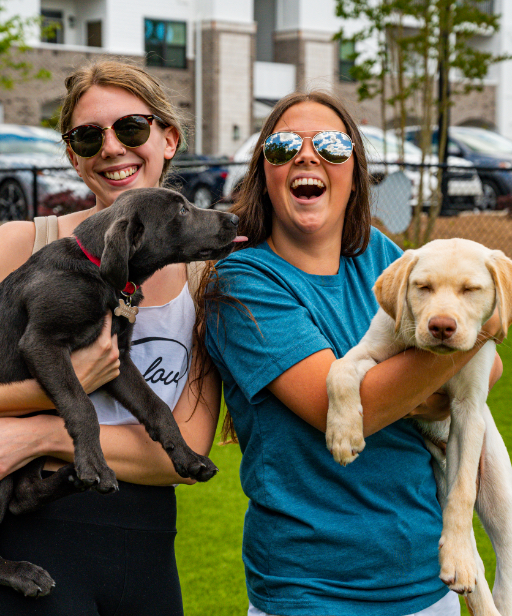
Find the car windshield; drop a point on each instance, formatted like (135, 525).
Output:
(376, 144)
(483, 141)
(17, 144)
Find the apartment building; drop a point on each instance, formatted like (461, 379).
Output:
(225, 62)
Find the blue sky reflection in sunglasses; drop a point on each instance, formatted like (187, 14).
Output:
(333, 146)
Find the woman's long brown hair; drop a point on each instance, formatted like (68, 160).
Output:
(254, 209)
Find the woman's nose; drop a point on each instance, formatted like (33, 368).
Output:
(111, 145)
(307, 153)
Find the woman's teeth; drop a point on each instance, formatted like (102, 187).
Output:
(307, 182)
(120, 175)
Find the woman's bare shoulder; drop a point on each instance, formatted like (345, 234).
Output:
(16, 244)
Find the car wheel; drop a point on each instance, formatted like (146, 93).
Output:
(490, 196)
(202, 197)
(13, 202)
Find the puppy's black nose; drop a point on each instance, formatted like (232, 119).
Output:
(233, 219)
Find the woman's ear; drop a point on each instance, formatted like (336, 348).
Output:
(172, 138)
(74, 159)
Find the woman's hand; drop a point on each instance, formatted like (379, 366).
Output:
(98, 363)
(435, 408)
(23, 439)
(491, 329)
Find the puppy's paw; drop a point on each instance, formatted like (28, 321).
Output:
(344, 435)
(458, 566)
(191, 465)
(95, 474)
(24, 577)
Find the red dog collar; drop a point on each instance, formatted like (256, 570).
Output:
(129, 288)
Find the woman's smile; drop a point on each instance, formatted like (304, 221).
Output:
(121, 175)
(307, 188)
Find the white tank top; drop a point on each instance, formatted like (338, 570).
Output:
(161, 350)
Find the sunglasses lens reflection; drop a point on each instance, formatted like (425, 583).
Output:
(132, 131)
(333, 146)
(86, 141)
(280, 148)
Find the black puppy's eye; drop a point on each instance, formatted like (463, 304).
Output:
(183, 211)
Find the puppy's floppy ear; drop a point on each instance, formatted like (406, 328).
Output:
(122, 239)
(500, 267)
(391, 286)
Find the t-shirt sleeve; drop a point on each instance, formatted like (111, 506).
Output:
(261, 334)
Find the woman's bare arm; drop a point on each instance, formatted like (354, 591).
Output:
(388, 392)
(129, 451)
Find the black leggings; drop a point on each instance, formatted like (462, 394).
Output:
(110, 555)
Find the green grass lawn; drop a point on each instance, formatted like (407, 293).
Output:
(210, 520)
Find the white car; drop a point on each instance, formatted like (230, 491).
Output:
(236, 172)
(28, 152)
(464, 190)
(464, 186)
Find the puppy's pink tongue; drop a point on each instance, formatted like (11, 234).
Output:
(240, 238)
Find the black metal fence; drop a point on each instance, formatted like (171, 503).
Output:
(411, 203)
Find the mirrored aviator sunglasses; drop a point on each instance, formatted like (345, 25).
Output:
(132, 131)
(333, 146)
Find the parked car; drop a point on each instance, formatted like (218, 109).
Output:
(237, 171)
(200, 178)
(483, 148)
(465, 189)
(59, 189)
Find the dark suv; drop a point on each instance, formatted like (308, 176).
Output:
(199, 178)
(490, 152)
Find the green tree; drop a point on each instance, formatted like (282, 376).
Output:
(420, 44)
(14, 68)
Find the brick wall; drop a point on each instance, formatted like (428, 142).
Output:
(23, 104)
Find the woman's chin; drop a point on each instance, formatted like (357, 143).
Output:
(311, 224)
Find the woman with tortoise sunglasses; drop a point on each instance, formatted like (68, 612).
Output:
(110, 554)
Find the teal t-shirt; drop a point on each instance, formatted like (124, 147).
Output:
(320, 539)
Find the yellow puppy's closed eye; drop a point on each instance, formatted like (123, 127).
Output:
(471, 289)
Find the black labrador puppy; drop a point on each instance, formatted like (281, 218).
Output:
(56, 303)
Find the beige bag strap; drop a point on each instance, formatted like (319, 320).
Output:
(194, 272)
(47, 231)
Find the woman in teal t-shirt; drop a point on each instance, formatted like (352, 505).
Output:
(319, 539)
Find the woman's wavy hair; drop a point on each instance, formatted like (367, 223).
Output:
(130, 77)
(254, 209)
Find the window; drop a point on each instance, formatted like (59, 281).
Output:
(347, 60)
(94, 33)
(165, 43)
(52, 26)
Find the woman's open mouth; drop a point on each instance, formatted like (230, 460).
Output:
(307, 188)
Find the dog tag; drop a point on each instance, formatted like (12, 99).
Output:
(127, 311)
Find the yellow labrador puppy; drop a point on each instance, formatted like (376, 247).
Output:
(437, 298)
